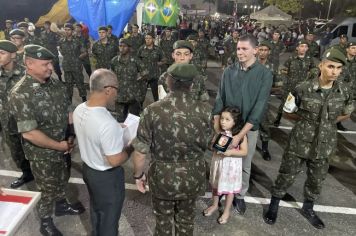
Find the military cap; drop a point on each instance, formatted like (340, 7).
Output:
(150, 34)
(265, 43)
(78, 24)
(125, 41)
(7, 46)
(103, 28)
(183, 44)
(38, 52)
(192, 37)
(109, 26)
(303, 41)
(351, 44)
(310, 31)
(22, 24)
(334, 54)
(68, 25)
(168, 28)
(183, 72)
(17, 32)
(135, 25)
(9, 21)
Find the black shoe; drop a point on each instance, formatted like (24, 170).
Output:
(65, 208)
(25, 178)
(271, 215)
(340, 127)
(48, 228)
(278, 120)
(308, 212)
(265, 155)
(84, 98)
(239, 205)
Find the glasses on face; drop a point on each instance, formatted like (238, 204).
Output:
(111, 86)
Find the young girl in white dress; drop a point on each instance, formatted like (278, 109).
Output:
(226, 167)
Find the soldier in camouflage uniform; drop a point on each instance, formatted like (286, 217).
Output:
(203, 43)
(10, 74)
(320, 103)
(277, 50)
(175, 131)
(152, 58)
(85, 41)
(183, 53)
(8, 28)
(166, 45)
(132, 90)
(72, 51)
(348, 74)
(40, 105)
(111, 36)
(199, 57)
(137, 39)
(29, 39)
(50, 41)
(17, 36)
(343, 40)
(104, 49)
(264, 49)
(297, 68)
(230, 48)
(313, 50)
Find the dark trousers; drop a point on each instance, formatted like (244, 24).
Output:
(154, 88)
(123, 108)
(107, 193)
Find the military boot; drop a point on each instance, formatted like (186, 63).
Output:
(277, 121)
(84, 98)
(308, 212)
(340, 126)
(48, 228)
(271, 215)
(65, 208)
(265, 153)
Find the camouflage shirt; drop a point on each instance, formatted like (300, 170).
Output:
(277, 49)
(7, 82)
(298, 69)
(128, 70)
(175, 130)
(71, 50)
(314, 135)
(203, 45)
(103, 53)
(313, 49)
(199, 60)
(230, 46)
(150, 58)
(136, 42)
(167, 48)
(50, 41)
(41, 106)
(19, 58)
(30, 39)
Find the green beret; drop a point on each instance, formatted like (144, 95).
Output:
(310, 32)
(351, 44)
(151, 34)
(8, 46)
(125, 41)
(109, 26)
(303, 41)
(9, 21)
(68, 25)
(78, 24)
(183, 72)
(192, 37)
(265, 43)
(182, 44)
(22, 24)
(17, 32)
(334, 54)
(343, 36)
(103, 28)
(38, 52)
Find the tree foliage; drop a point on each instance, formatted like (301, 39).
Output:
(290, 6)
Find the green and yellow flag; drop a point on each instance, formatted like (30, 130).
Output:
(161, 12)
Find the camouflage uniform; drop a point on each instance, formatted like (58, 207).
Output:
(8, 124)
(31, 39)
(229, 52)
(175, 130)
(150, 58)
(199, 60)
(44, 107)
(131, 92)
(167, 48)
(19, 58)
(50, 41)
(85, 61)
(72, 65)
(203, 45)
(348, 75)
(341, 48)
(313, 138)
(313, 49)
(103, 53)
(297, 72)
(136, 42)
(277, 48)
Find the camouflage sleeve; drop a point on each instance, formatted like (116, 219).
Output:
(353, 116)
(143, 140)
(22, 112)
(82, 47)
(349, 106)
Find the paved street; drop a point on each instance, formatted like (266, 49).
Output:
(336, 206)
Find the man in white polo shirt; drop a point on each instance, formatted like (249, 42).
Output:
(102, 150)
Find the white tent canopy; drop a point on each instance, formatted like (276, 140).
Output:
(270, 13)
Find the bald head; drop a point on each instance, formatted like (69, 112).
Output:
(101, 79)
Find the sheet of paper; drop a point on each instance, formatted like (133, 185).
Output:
(130, 131)
(8, 212)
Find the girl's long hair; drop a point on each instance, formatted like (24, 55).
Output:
(237, 117)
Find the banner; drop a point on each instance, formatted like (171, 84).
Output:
(58, 14)
(95, 13)
(161, 12)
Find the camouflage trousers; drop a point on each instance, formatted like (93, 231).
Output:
(180, 213)
(51, 177)
(265, 132)
(123, 108)
(75, 78)
(13, 141)
(291, 166)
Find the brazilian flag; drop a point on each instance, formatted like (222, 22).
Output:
(161, 12)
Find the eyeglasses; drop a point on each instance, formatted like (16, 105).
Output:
(111, 86)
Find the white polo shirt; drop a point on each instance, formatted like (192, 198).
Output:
(98, 134)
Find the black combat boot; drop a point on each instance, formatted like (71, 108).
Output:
(25, 178)
(340, 126)
(239, 205)
(84, 98)
(277, 121)
(271, 215)
(65, 208)
(308, 212)
(48, 228)
(265, 153)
